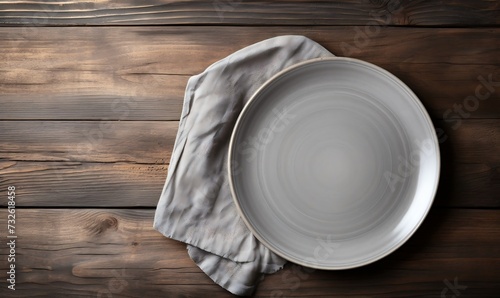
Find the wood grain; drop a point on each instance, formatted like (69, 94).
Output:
(88, 141)
(75, 184)
(85, 252)
(224, 12)
(140, 73)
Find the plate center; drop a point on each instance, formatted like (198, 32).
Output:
(339, 174)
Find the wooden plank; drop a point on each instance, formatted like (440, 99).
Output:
(134, 73)
(88, 141)
(75, 184)
(224, 12)
(151, 142)
(90, 252)
(141, 100)
(468, 185)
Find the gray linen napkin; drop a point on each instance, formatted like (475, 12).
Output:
(196, 206)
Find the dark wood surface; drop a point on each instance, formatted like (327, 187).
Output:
(223, 12)
(90, 97)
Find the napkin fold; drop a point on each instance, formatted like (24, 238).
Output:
(196, 206)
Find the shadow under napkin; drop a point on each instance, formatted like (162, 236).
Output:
(196, 206)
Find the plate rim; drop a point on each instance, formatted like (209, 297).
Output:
(250, 103)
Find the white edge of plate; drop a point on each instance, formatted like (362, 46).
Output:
(250, 103)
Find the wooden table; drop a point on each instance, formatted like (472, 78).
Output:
(90, 97)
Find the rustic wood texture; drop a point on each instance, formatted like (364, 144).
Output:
(88, 141)
(224, 12)
(86, 252)
(139, 73)
(90, 97)
(77, 184)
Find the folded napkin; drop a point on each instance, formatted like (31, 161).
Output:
(196, 206)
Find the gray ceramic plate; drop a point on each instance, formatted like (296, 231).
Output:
(333, 163)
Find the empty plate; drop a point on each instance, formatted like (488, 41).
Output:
(333, 163)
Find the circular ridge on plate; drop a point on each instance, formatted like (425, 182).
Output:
(333, 163)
